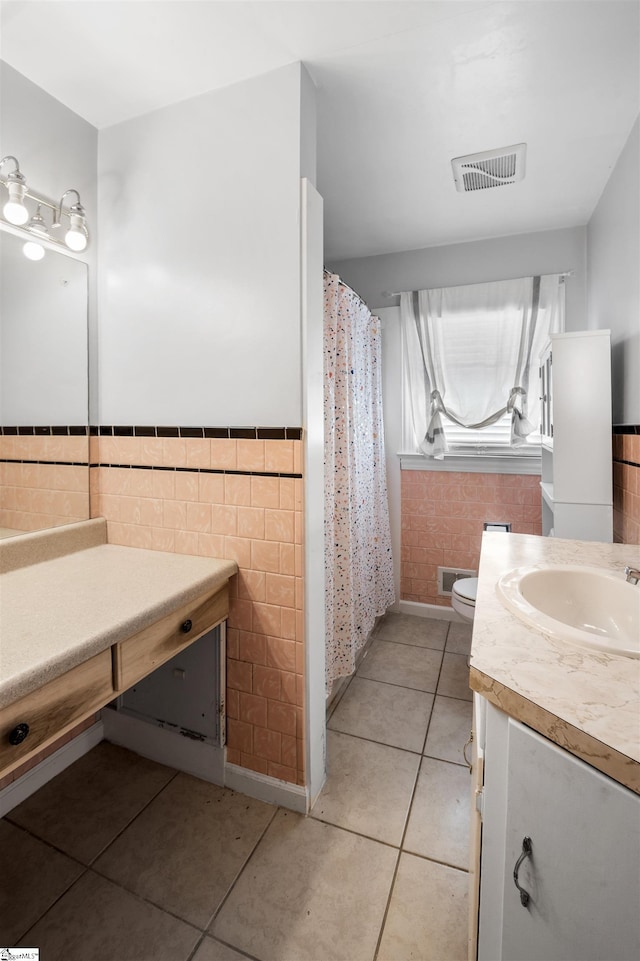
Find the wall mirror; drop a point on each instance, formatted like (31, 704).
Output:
(44, 443)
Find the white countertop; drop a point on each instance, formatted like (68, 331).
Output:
(586, 701)
(56, 614)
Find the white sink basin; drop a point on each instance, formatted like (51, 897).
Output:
(585, 605)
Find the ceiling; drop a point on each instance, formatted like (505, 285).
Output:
(402, 89)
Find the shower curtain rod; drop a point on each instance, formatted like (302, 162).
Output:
(350, 289)
(396, 293)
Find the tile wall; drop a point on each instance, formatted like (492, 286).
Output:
(443, 513)
(626, 485)
(43, 477)
(235, 494)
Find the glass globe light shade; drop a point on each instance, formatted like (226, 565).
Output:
(76, 236)
(33, 251)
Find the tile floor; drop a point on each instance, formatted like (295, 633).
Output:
(122, 859)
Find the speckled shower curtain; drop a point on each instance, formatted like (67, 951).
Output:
(358, 561)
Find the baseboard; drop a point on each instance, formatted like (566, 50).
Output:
(200, 758)
(30, 782)
(430, 610)
(264, 788)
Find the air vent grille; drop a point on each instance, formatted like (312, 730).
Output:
(491, 168)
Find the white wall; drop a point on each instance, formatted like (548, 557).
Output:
(613, 265)
(501, 258)
(56, 148)
(200, 259)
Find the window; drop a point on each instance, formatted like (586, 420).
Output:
(471, 365)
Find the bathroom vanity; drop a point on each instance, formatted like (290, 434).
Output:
(555, 866)
(82, 621)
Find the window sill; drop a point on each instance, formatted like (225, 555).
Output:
(489, 463)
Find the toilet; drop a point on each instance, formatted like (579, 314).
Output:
(463, 596)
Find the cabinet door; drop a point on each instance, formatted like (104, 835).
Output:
(583, 875)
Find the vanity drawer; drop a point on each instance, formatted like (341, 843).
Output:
(54, 709)
(141, 654)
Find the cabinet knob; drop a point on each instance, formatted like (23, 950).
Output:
(18, 734)
(186, 626)
(526, 853)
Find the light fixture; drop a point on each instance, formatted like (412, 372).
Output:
(36, 226)
(33, 251)
(76, 237)
(16, 212)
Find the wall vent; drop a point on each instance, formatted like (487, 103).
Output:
(447, 576)
(491, 168)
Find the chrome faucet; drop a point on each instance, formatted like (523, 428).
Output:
(633, 576)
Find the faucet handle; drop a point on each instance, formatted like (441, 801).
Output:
(632, 575)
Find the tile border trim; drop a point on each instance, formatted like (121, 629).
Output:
(626, 429)
(128, 430)
(196, 470)
(224, 433)
(72, 430)
(48, 463)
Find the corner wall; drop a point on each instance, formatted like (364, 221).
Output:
(201, 345)
(199, 259)
(613, 255)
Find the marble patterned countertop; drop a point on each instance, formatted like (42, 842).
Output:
(586, 701)
(57, 613)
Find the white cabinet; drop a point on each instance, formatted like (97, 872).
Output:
(577, 483)
(583, 873)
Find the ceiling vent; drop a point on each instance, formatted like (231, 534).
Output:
(491, 168)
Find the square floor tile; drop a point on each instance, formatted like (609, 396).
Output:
(98, 921)
(311, 892)
(409, 629)
(459, 637)
(212, 950)
(85, 807)
(427, 918)
(408, 666)
(383, 712)
(186, 849)
(449, 729)
(368, 787)
(32, 878)
(454, 677)
(440, 814)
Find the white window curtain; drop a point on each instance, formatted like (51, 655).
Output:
(358, 560)
(469, 351)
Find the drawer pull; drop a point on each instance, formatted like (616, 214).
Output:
(186, 626)
(527, 847)
(19, 734)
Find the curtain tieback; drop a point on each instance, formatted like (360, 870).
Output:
(437, 403)
(513, 396)
(520, 426)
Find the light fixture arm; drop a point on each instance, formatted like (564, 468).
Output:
(16, 174)
(77, 208)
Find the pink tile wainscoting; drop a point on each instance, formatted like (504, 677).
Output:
(443, 513)
(246, 516)
(43, 481)
(626, 488)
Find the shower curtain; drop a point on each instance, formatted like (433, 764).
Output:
(358, 560)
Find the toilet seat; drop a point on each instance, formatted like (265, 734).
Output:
(466, 588)
(463, 596)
